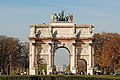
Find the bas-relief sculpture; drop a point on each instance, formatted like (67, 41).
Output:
(84, 48)
(52, 36)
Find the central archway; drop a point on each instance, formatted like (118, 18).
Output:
(61, 59)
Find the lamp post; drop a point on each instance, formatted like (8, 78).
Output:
(113, 61)
(0, 65)
(26, 65)
(9, 67)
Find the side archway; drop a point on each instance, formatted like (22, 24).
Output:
(82, 66)
(42, 66)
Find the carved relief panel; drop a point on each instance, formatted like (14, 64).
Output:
(84, 31)
(45, 48)
(43, 32)
(63, 32)
(42, 48)
(84, 48)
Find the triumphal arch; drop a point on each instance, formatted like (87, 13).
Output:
(61, 32)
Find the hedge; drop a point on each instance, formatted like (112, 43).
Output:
(59, 77)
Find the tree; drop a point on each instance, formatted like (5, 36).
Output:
(111, 52)
(98, 47)
(7, 48)
(107, 51)
(22, 55)
(13, 53)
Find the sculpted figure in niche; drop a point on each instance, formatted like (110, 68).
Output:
(38, 34)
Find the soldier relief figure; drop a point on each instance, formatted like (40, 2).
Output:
(62, 17)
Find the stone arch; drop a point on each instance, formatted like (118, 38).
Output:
(82, 66)
(67, 52)
(63, 47)
(42, 66)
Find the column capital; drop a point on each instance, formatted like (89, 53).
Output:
(91, 44)
(51, 43)
(74, 44)
(36, 44)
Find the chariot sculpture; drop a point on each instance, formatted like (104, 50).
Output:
(62, 17)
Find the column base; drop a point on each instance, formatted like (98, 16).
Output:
(90, 71)
(73, 70)
(49, 70)
(32, 71)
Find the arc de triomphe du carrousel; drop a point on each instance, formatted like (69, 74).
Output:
(62, 32)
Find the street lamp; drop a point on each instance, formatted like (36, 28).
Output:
(113, 61)
(9, 68)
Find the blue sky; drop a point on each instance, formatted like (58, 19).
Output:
(17, 15)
